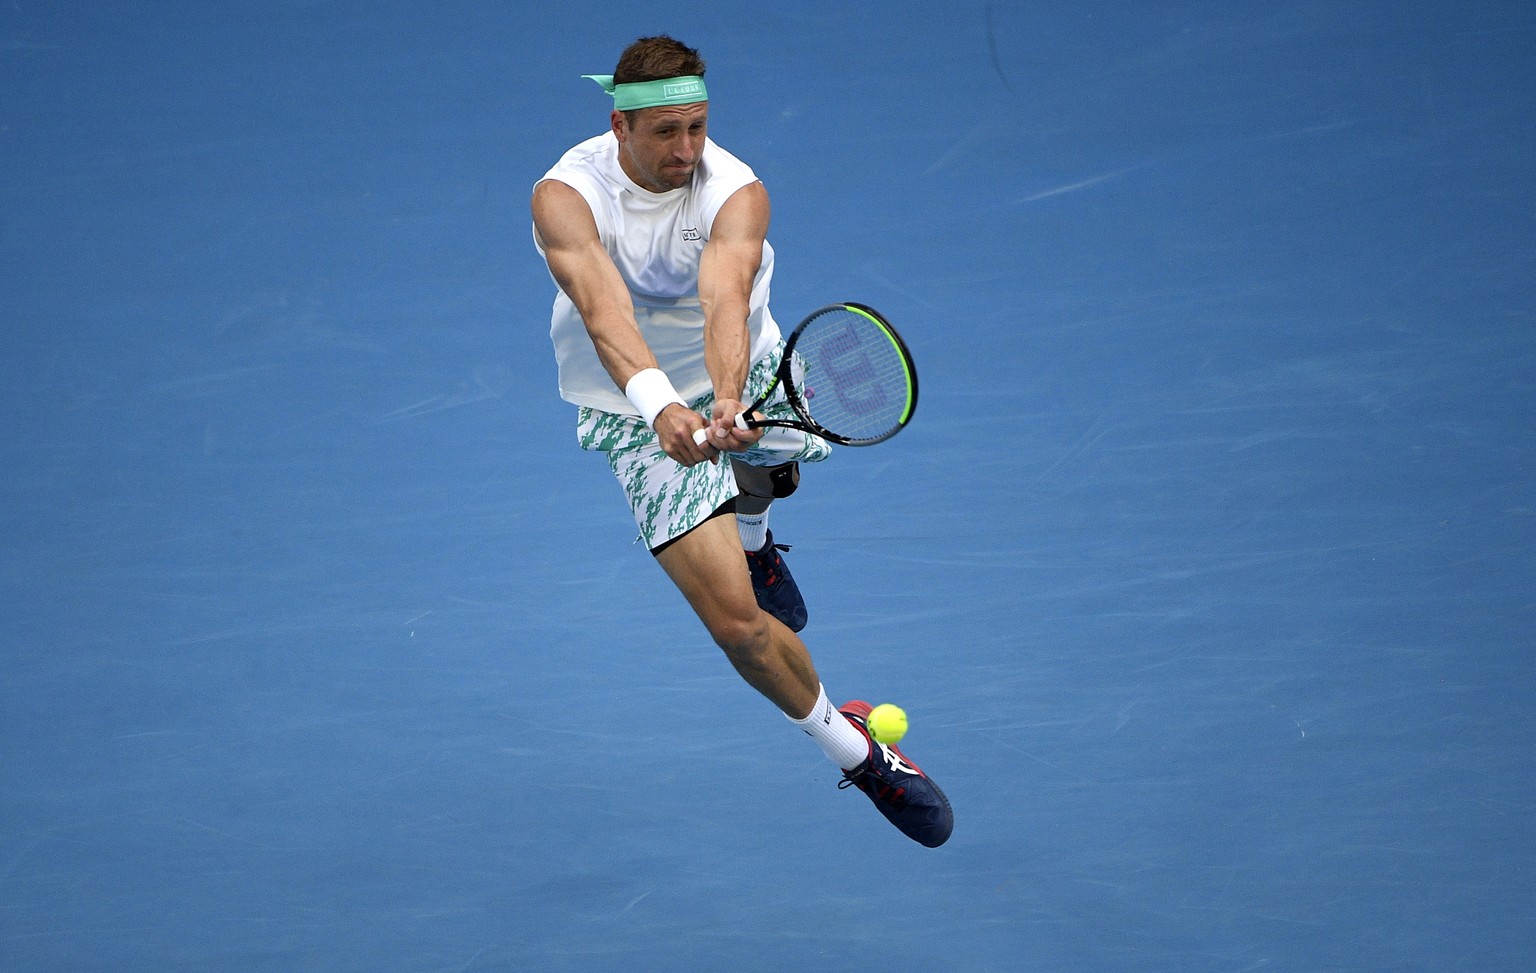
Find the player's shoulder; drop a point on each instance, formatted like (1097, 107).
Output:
(585, 161)
(725, 178)
(723, 173)
(723, 162)
(588, 149)
(586, 167)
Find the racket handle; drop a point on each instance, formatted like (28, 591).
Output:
(699, 435)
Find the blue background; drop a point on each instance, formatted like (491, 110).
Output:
(1205, 571)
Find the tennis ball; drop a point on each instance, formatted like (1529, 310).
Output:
(887, 723)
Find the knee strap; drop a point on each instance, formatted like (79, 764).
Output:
(767, 482)
(785, 478)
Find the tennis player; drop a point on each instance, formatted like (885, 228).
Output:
(656, 239)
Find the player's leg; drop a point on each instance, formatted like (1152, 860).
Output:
(770, 471)
(775, 588)
(684, 516)
(760, 486)
(706, 565)
(681, 515)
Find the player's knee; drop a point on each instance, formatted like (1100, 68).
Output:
(785, 479)
(767, 482)
(744, 639)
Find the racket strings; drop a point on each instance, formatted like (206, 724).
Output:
(856, 379)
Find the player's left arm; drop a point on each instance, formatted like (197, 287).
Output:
(727, 270)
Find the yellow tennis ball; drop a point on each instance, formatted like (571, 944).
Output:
(887, 723)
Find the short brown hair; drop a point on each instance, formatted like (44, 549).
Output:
(657, 58)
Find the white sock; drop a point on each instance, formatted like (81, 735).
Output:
(839, 739)
(753, 529)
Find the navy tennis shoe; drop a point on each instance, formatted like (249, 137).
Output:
(899, 790)
(776, 591)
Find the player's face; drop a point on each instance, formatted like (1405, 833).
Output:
(662, 148)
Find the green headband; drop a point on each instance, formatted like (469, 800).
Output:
(650, 94)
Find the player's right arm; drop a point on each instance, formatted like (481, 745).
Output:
(585, 272)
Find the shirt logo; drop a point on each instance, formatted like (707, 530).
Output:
(692, 235)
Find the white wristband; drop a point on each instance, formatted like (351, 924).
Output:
(649, 391)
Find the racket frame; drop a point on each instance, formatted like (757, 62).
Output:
(785, 376)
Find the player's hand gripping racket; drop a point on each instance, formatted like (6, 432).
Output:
(848, 376)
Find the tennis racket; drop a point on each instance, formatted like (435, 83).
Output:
(848, 376)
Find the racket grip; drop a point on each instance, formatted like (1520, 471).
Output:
(699, 435)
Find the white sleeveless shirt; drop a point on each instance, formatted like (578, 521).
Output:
(655, 240)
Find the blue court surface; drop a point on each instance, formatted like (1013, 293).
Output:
(1206, 571)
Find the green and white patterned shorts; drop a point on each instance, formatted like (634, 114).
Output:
(669, 499)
